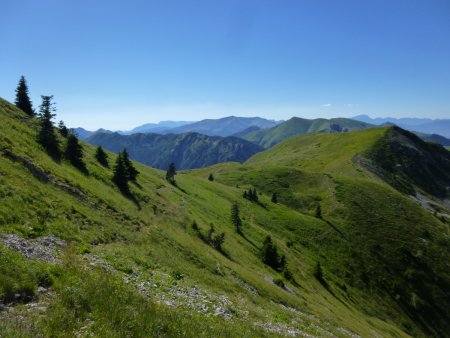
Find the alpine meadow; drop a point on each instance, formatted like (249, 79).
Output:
(225, 169)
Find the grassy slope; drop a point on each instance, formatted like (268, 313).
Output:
(377, 241)
(156, 237)
(296, 126)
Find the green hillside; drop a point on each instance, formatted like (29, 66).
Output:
(297, 126)
(186, 151)
(79, 258)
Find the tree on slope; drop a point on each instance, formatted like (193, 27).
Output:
(74, 153)
(274, 198)
(120, 174)
(63, 129)
(46, 136)
(101, 157)
(171, 172)
(132, 172)
(235, 218)
(23, 101)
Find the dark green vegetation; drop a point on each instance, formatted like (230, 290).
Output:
(384, 259)
(23, 101)
(396, 156)
(296, 126)
(186, 151)
(47, 136)
(102, 157)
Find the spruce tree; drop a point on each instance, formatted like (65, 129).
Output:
(74, 152)
(120, 174)
(318, 273)
(46, 136)
(211, 177)
(63, 129)
(274, 198)
(269, 253)
(23, 101)
(101, 157)
(255, 196)
(250, 194)
(235, 218)
(171, 172)
(132, 172)
(245, 195)
(318, 212)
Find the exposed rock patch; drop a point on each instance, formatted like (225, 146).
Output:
(46, 248)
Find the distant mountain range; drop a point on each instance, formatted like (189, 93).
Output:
(188, 150)
(224, 127)
(428, 126)
(207, 142)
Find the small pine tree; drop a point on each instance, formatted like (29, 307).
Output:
(195, 226)
(235, 218)
(23, 101)
(132, 172)
(46, 136)
(211, 177)
(209, 235)
(218, 241)
(255, 196)
(270, 256)
(170, 174)
(245, 195)
(318, 273)
(120, 174)
(250, 194)
(101, 157)
(318, 212)
(269, 253)
(274, 198)
(74, 152)
(63, 129)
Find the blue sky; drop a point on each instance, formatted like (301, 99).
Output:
(118, 64)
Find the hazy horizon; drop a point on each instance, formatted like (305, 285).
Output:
(118, 65)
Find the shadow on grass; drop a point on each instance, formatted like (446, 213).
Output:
(178, 187)
(334, 227)
(247, 239)
(128, 194)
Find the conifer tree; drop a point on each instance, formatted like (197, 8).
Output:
(318, 212)
(318, 273)
(74, 152)
(245, 195)
(235, 218)
(171, 172)
(269, 253)
(23, 101)
(270, 256)
(46, 136)
(250, 194)
(120, 174)
(132, 172)
(63, 129)
(101, 157)
(274, 198)
(255, 195)
(211, 177)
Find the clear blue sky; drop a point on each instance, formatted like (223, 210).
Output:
(118, 64)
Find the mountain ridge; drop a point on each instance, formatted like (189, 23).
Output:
(186, 151)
